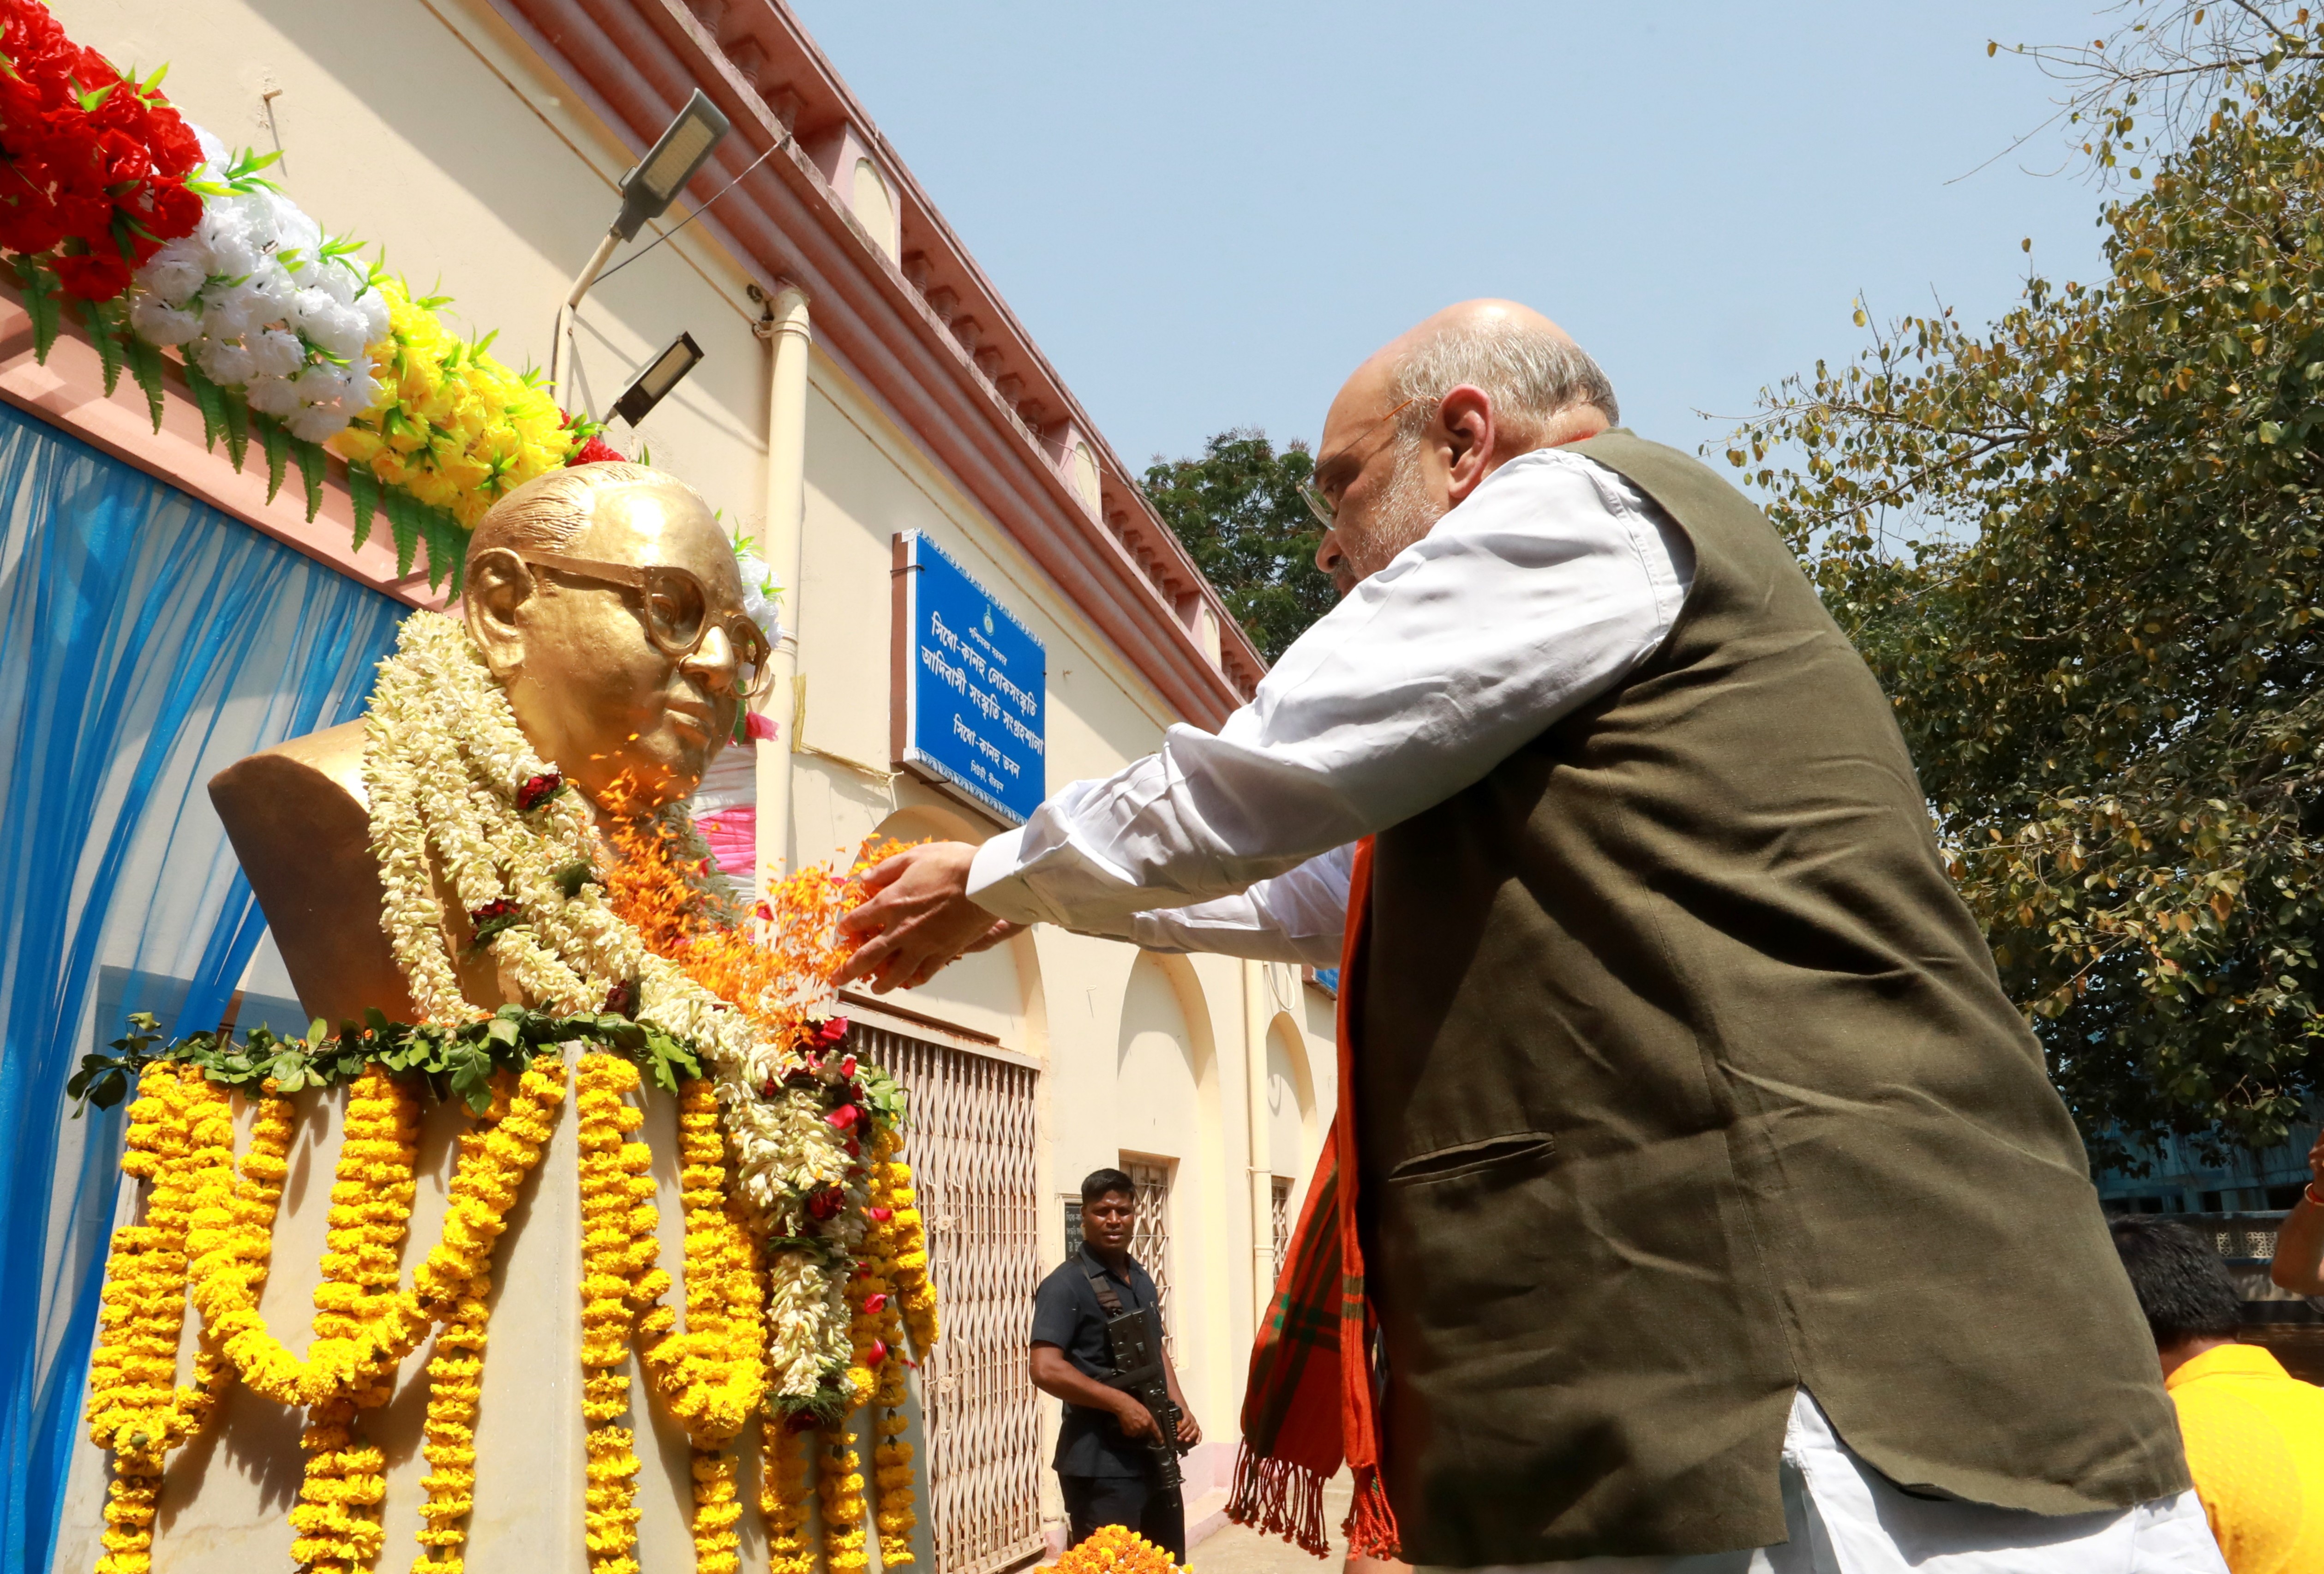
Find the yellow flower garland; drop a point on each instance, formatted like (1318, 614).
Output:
(181, 1131)
(840, 1482)
(892, 1189)
(712, 1375)
(1117, 1550)
(182, 1138)
(783, 1497)
(892, 1470)
(891, 1457)
(616, 1264)
(494, 1160)
(337, 1517)
(451, 424)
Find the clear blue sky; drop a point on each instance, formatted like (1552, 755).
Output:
(1208, 213)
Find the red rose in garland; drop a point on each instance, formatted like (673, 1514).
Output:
(595, 451)
(93, 165)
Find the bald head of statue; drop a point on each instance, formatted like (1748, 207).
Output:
(1432, 412)
(607, 600)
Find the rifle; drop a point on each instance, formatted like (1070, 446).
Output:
(1136, 1340)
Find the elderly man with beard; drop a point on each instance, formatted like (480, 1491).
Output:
(1707, 1198)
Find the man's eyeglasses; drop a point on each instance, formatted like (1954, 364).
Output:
(1327, 509)
(677, 613)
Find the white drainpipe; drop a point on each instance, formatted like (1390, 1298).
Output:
(786, 327)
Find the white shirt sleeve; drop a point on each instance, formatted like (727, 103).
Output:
(1297, 917)
(1547, 585)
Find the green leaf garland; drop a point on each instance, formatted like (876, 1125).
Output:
(458, 1062)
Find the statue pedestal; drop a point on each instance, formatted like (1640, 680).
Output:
(228, 1493)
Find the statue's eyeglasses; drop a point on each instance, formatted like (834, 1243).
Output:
(677, 613)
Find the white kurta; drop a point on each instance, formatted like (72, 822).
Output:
(1550, 584)
(1541, 591)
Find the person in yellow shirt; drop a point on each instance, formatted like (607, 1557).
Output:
(2255, 1434)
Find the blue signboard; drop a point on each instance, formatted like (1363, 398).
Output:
(976, 685)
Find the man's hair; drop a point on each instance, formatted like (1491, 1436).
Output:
(2181, 1285)
(1531, 373)
(1098, 1182)
(548, 511)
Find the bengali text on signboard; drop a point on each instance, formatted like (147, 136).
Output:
(976, 685)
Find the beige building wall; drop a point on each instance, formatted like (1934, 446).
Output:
(430, 128)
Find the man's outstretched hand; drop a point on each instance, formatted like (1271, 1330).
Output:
(919, 918)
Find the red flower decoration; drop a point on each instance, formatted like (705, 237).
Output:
(825, 1202)
(622, 999)
(499, 914)
(880, 1215)
(874, 1302)
(596, 451)
(877, 1353)
(538, 789)
(95, 277)
(842, 1118)
(91, 157)
(830, 1032)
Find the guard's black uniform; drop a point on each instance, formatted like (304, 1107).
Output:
(1106, 1478)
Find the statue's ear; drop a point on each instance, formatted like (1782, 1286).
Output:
(499, 582)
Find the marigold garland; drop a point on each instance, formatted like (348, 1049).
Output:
(494, 1158)
(337, 1516)
(1117, 1550)
(891, 1455)
(177, 1129)
(839, 1481)
(784, 1496)
(711, 1374)
(896, 1210)
(618, 1242)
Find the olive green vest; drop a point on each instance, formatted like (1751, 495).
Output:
(1684, 1077)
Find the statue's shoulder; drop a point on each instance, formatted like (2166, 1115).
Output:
(322, 771)
(301, 824)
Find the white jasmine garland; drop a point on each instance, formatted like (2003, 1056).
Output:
(259, 300)
(443, 761)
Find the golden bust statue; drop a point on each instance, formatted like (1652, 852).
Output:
(605, 600)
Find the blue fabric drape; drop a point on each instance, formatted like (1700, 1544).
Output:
(147, 643)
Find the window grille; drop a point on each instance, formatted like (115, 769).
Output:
(970, 1143)
(1279, 1208)
(1149, 1241)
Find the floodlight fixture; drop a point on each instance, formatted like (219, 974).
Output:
(669, 370)
(648, 190)
(655, 180)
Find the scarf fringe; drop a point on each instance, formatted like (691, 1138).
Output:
(1370, 1528)
(1278, 1498)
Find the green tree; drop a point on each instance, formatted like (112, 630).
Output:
(2081, 548)
(1237, 510)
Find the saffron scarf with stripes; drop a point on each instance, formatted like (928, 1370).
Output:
(1310, 1402)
